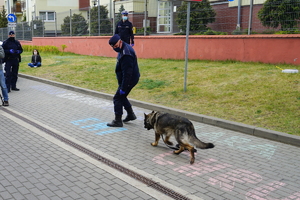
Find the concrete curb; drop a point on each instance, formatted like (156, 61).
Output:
(235, 126)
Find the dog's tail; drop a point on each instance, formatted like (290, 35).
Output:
(198, 143)
(202, 145)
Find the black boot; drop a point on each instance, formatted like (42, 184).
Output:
(130, 115)
(117, 122)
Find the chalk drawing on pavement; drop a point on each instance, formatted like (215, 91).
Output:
(48, 89)
(72, 96)
(197, 169)
(94, 125)
(227, 181)
(262, 193)
(160, 159)
(201, 167)
(99, 103)
(211, 136)
(245, 144)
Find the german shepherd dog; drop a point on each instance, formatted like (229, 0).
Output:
(182, 129)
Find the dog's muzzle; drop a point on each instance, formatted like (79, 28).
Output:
(148, 126)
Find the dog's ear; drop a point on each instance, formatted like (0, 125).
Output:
(153, 117)
(145, 115)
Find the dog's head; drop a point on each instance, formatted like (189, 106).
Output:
(149, 120)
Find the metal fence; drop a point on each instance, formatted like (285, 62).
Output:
(167, 17)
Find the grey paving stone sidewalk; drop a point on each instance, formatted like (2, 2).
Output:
(35, 168)
(241, 166)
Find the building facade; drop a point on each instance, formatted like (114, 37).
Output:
(158, 15)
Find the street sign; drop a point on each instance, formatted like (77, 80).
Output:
(12, 25)
(12, 18)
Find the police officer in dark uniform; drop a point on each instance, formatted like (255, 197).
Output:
(12, 49)
(124, 29)
(128, 75)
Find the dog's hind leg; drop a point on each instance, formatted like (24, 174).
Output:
(157, 137)
(192, 153)
(181, 149)
(190, 148)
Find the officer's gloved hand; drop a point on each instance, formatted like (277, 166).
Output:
(12, 51)
(122, 92)
(132, 45)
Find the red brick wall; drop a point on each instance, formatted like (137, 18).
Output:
(256, 48)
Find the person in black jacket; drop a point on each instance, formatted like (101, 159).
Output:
(12, 49)
(127, 71)
(2, 80)
(36, 59)
(124, 29)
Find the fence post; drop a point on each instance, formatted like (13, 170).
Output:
(99, 17)
(90, 21)
(187, 43)
(114, 26)
(43, 24)
(70, 22)
(145, 22)
(250, 17)
(23, 30)
(32, 27)
(55, 25)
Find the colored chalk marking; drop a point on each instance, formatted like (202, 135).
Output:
(86, 100)
(48, 89)
(96, 127)
(114, 130)
(261, 193)
(211, 136)
(160, 159)
(78, 122)
(90, 125)
(240, 143)
(227, 181)
(99, 103)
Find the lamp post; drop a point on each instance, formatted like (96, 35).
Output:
(113, 10)
(250, 17)
(95, 3)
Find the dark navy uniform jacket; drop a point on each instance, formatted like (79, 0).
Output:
(124, 30)
(12, 44)
(127, 69)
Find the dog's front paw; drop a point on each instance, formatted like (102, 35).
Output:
(154, 144)
(177, 152)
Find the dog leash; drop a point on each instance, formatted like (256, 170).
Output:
(176, 147)
(171, 147)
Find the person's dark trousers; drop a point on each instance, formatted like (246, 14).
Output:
(121, 101)
(11, 73)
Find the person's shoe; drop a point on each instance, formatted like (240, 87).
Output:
(8, 91)
(15, 89)
(115, 123)
(5, 103)
(129, 117)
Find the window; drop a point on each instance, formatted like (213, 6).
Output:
(47, 16)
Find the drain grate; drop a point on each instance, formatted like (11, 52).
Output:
(150, 183)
